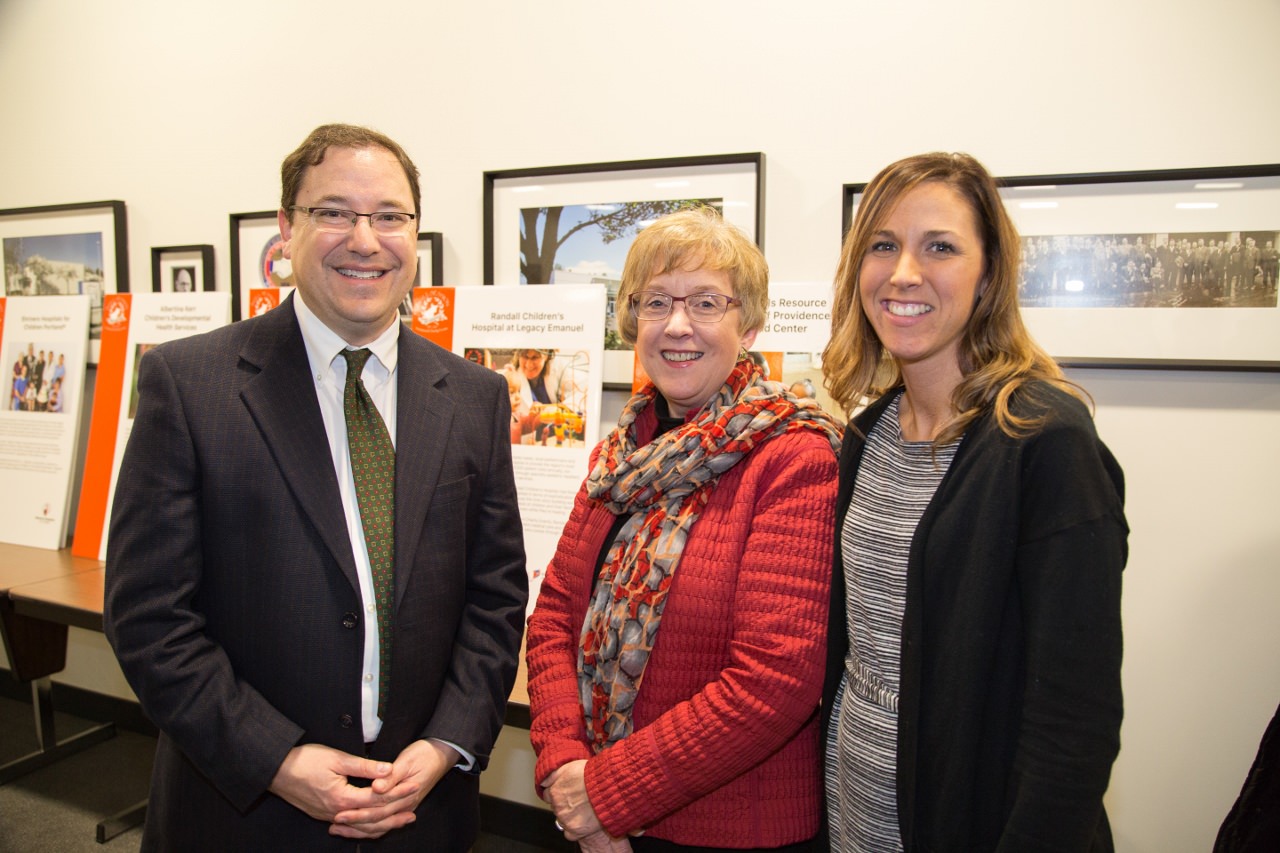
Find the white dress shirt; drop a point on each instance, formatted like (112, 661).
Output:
(324, 353)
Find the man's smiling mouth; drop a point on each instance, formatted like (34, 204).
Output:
(365, 274)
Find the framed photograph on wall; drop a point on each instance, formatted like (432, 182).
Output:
(574, 224)
(182, 269)
(257, 259)
(1154, 269)
(67, 249)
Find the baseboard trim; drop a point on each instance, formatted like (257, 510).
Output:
(88, 704)
(521, 822)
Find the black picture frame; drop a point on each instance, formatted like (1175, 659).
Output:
(51, 226)
(733, 182)
(163, 258)
(433, 243)
(1205, 318)
(247, 232)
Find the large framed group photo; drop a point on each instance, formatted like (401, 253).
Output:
(574, 224)
(66, 250)
(1150, 269)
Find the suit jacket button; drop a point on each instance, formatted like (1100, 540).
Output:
(346, 721)
(349, 619)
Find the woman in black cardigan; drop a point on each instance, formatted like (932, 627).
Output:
(973, 695)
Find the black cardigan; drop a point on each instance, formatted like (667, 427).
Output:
(1009, 716)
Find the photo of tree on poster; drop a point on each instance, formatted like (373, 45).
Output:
(588, 244)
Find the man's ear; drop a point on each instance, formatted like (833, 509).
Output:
(286, 232)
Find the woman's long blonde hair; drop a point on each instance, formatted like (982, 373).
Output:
(997, 355)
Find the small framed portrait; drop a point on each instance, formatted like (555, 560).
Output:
(182, 269)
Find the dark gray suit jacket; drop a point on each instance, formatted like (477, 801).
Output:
(232, 600)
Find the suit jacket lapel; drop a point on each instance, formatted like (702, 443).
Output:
(281, 398)
(423, 420)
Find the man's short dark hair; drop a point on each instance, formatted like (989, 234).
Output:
(313, 149)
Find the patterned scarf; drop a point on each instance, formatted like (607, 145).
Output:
(664, 487)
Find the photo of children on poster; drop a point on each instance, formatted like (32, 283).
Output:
(38, 379)
(548, 392)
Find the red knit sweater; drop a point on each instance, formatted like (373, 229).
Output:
(725, 747)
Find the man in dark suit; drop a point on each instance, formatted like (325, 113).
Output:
(36, 375)
(243, 592)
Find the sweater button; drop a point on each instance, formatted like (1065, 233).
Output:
(350, 620)
(346, 721)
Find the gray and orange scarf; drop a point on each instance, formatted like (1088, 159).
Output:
(664, 486)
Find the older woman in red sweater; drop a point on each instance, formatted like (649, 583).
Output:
(675, 653)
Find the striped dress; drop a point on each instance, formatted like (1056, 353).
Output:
(895, 483)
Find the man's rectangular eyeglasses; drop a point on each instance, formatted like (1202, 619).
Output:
(701, 307)
(338, 221)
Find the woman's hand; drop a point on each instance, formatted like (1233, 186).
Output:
(566, 791)
(602, 842)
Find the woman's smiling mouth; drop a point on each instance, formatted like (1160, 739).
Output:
(907, 309)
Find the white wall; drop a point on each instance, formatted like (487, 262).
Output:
(186, 115)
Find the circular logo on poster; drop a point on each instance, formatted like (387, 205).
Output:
(261, 303)
(274, 267)
(115, 313)
(430, 310)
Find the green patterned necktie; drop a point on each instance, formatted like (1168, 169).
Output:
(373, 462)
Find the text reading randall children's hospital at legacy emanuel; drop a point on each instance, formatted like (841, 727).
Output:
(527, 322)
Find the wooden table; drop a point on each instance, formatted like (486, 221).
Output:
(73, 599)
(37, 648)
(41, 594)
